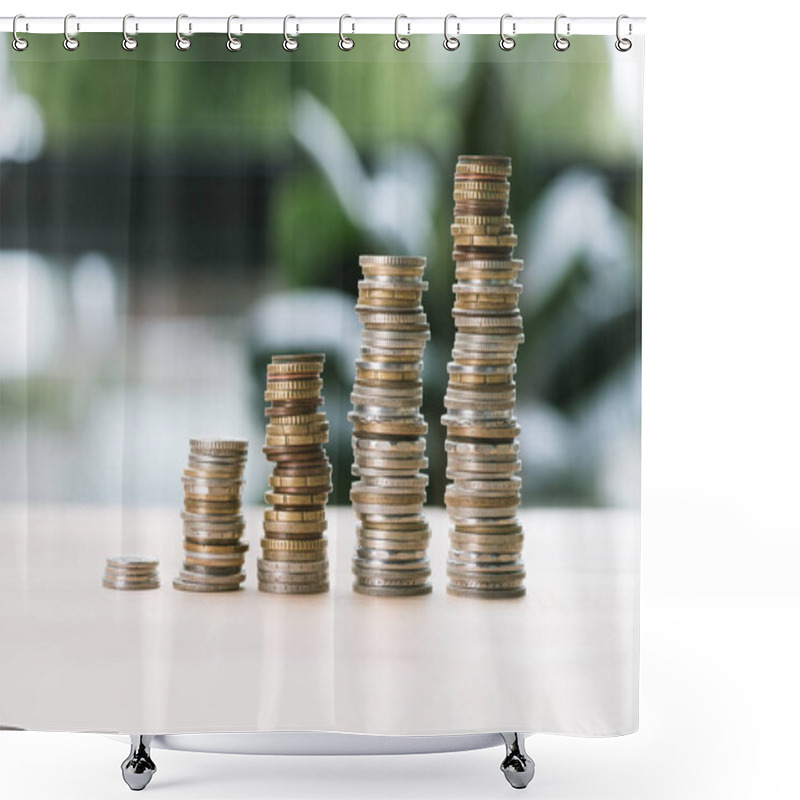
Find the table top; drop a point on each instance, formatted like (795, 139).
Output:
(75, 656)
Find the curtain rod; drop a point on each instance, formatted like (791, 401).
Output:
(403, 26)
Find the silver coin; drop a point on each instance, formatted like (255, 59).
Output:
(191, 586)
(403, 537)
(459, 469)
(395, 406)
(212, 537)
(374, 508)
(369, 486)
(389, 415)
(490, 584)
(186, 576)
(391, 482)
(389, 447)
(216, 519)
(494, 543)
(468, 369)
(488, 451)
(131, 579)
(383, 388)
(274, 587)
(482, 557)
(386, 547)
(271, 567)
(486, 594)
(471, 568)
(199, 569)
(392, 591)
(503, 421)
(489, 488)
(391, 580)
(363, 566)
(376, 468)
(287, 576)
(130, 587)
(374, 351)
(132, 562)
(213, 559)
(372, 553)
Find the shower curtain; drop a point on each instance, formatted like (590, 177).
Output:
(174, 222)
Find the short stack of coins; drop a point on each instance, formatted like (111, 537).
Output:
(131, 573)
(485, 558)
(392, 533)
(294, 546)
(213, 524)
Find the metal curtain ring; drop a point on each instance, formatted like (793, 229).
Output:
(400, 42)
(623, 45)
(181, 42)
(70, 42)
(128, 42)
(451, 42)
(233, 43)
(289, 42)
(19, 44)
(506, 42)
(345, 42)
(561, 44)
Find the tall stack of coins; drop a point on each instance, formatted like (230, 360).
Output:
(294, 546)
(131, 573)
(485, 557)
(213, 523)
(392, 533)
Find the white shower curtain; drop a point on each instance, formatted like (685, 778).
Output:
(171, 221)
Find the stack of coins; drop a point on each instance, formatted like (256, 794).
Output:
(482, 449)
(213, 524)
(392, 533)
(294, 546)
(131, 572)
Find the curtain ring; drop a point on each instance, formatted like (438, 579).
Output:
(19, 44)
(623, 45)
(506, 42)
(401, 42)
(70, 42)
(451, 42)
(561, 44)
(181, 42)
(290, 44)
(345, 42)
(233, 43)
(128, 42)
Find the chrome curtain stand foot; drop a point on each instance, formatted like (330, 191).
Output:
(138, 768)
(517, 766)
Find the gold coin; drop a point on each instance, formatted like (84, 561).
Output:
(285, 515)
(222, 549)
(298, 357)
(294, 528)
(295, 545)
(218, 446)
(301, 481)
(311, 367)
(212, 509)
(392, 261)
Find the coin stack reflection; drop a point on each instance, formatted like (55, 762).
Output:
(213, 524)
(294, 546)
(485, 558)
(392, 533)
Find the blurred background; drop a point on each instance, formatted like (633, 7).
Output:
(168, 221)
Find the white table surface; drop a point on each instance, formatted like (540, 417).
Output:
(75, 656)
